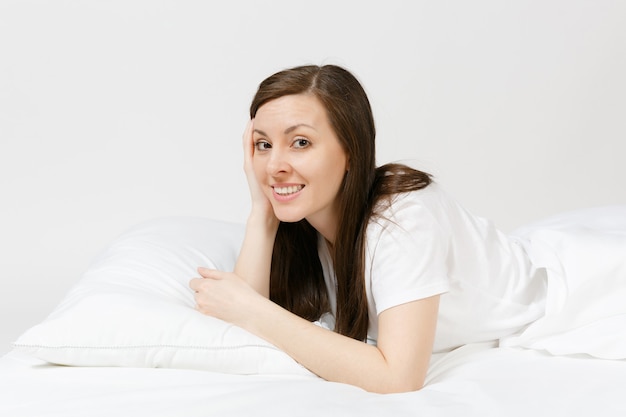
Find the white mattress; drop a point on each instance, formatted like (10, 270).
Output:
(475, 380)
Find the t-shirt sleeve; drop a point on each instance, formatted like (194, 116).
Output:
(407, 248)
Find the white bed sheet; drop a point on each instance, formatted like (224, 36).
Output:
(475, 380)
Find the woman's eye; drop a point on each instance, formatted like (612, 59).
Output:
(301, 143)
(262, 145)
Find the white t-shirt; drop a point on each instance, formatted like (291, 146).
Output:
(426, 244)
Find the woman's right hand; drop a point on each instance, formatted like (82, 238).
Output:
(255, 257)
(260, 203)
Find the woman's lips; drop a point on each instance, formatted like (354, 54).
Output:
(286, 192)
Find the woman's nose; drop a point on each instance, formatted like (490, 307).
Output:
(278, 162)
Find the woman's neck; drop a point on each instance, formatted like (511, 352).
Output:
(331, 249)
(326, 227)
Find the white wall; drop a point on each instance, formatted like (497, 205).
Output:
(115, 112)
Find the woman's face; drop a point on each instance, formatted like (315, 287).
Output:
(299, 161)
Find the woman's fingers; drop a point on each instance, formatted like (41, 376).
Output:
(197, 284)
(259, 199)
(248, 143)
(208, 273)
(194, 284)
(220, 294)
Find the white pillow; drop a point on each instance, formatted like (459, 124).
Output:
(133, 307)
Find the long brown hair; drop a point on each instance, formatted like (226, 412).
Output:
(296, 278)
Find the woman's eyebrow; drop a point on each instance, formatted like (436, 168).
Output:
(288, 130)
(294, 127)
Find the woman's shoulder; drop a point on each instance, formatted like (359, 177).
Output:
(430, 199)
(428, 208)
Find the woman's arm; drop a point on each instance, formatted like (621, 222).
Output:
(397, 364)
(255, 256)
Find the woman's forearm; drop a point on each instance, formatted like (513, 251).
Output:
(255, 257)
(398, 363)
(338, 358)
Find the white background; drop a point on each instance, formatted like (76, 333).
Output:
(116, 112)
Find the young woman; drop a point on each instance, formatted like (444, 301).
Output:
(357, 272)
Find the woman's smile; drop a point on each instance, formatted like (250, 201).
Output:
(284, 193)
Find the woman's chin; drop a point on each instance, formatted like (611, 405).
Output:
(288, 217)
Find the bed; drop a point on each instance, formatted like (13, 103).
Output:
(126, 341)
(471, 381)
